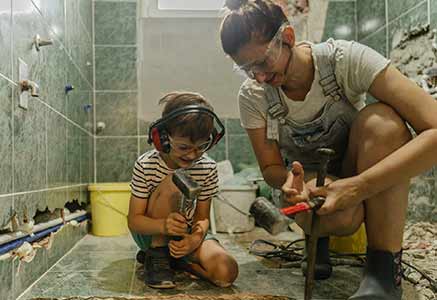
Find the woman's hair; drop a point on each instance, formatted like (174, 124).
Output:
(197, 125)
(248, 19)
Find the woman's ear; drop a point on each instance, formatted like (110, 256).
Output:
(288, 36)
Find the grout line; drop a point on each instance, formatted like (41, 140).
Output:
(8, 79)
(93, 33)
(373, 33)
(139, 66)
(43, 190)
(387, 44)
(47, 113)
(63, 116)
(406, 12)
(356, 21)
(429, 11)
(13, 95)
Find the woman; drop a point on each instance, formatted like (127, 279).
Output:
(302, 96)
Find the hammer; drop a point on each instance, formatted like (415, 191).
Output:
(190, 189)
(325, 155)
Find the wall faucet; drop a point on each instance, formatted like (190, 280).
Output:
(32, 87)
(39, 42)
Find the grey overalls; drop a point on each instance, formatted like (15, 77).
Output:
(298, 141)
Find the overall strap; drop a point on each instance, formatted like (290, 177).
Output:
(325, 55)
(277, 110)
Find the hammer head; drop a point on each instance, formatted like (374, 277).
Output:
(188, 187)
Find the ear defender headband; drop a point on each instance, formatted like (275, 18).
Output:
(158, 134)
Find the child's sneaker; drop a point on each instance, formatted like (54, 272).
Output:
(158, 273)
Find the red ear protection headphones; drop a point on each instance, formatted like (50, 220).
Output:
(158, 134)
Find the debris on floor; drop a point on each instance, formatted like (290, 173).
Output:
(242, 296)
(420, 258)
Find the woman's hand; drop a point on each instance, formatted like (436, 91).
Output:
(175, 225)
(294, 189)
(187, 245)
(341, 194)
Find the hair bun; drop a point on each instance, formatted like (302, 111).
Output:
(235, 4)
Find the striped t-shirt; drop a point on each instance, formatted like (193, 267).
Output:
(150, 169)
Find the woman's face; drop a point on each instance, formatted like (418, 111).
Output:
(265, 62)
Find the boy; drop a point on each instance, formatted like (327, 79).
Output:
(181, 138)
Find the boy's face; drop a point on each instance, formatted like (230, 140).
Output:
(183, 152)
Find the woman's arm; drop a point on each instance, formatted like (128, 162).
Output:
(269, 157)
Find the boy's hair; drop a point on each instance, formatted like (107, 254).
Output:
(247, 20)
(196, 126)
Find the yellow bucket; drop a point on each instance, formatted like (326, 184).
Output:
(355, 243)
(109, 208)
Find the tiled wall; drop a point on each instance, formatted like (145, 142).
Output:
(46, 150)
(117, 100)
(377, 23)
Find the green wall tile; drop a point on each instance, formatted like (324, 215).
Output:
(370, 16)
(26, 205)
(86, 158)
(73, 154)
(6, 212)
(218, 152)
(144, 146)
(53, 13)
(5, 38)
(240, 152)
(30, 147)
(377, 41)
(118, 111)
(233, 126)
(115, 23)
(115, 159)
(433, 15)
(116, 68)
(6, 274)
(86, 14)
(56, 150)
(398, 7)
(5, 137)
(63, 241)
(340, 21)
(56, 198)
(418, 16)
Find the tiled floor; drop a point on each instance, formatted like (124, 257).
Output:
(106, 267)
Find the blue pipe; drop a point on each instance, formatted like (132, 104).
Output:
(36, 236)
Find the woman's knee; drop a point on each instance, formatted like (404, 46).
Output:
(225, 270)
(378, 131)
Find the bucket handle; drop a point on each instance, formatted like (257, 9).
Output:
(108, 204)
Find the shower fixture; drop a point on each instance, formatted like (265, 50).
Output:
(39, 42)
(30, 86)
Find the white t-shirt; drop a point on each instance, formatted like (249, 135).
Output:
(356, 67)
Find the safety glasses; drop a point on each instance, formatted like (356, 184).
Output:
(270, 58)
(183, 148)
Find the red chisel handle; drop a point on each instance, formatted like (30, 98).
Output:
(291, 210)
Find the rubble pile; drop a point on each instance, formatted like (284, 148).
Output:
(420, 251)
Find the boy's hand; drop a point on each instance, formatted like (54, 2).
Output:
(294, 189)
(175, 224)
(185, 246)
